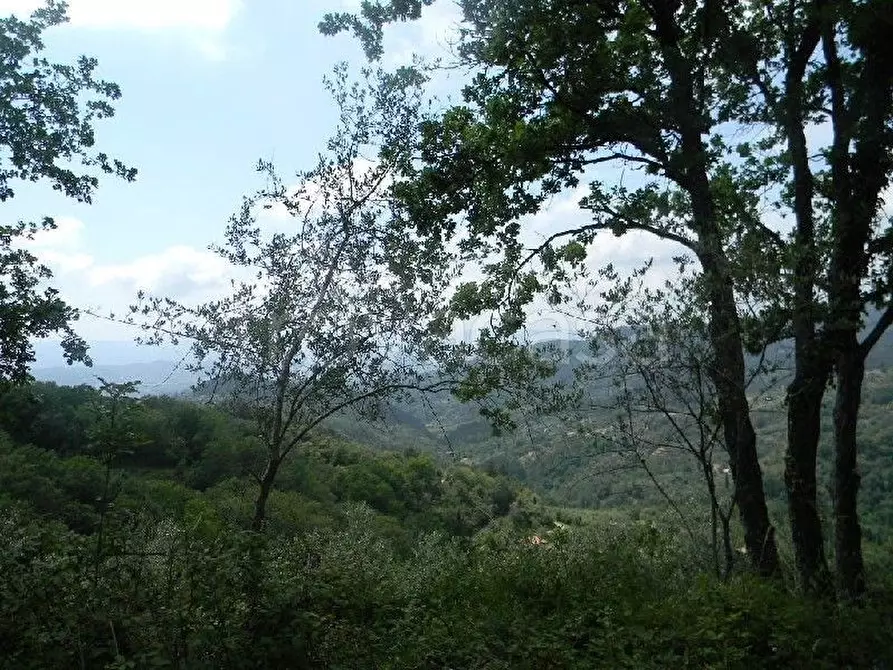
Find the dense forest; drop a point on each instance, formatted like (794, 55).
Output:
(699, 475)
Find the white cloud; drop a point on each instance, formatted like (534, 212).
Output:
(65, 262)
(431, 36)
(20, 8)
(887, 202)
(626, 252)
(204, 21)
(202, 15)
(65, 236)
(181, 272)
(60, 248)
(307, 197)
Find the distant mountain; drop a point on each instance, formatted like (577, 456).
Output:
(157, 377)
(126, 352)
(564, 455)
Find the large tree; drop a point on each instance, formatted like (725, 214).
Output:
(821, 80)
(561, 86)
(47, 113)
(328, 314)
(666, 85)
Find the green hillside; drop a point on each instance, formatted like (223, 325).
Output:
(564, 458)
(134, 555)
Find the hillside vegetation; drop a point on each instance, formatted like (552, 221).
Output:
(699, 477)
(375, 559)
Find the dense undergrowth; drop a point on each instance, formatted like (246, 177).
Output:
(171, 595)
(369, 560)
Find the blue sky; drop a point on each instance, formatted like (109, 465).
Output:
(209, 87)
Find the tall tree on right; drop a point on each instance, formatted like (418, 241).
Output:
(667, 86)
(822, 81)
(563, 86)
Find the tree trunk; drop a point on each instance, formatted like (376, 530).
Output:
(804, 396)
(266, 482)
(740, 438)
(759, 535)
(685, 108)
(848, 534)
(719, 524)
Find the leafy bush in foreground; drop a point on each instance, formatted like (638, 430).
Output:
(166, 596)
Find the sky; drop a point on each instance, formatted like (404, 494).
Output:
(209, 88)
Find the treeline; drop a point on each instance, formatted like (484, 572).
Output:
(370, 560)
(583, 469)
(176, 457)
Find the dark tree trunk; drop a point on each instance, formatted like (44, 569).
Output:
(861, 164)
(848, 534)
(729, 379)
(266, 482)
(759, 535)
(685, 108)
(804, 396)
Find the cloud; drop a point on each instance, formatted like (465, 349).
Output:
(64, 263)
(204, 21)
(66, 235)
(626, 252)
(60, 248)
(307, 198)
(202, 15)
(431, 36)
(181, 272)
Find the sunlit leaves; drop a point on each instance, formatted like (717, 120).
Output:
(47, 112)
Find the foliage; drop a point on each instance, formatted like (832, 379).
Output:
(711, 112)
(331, 315)
(600, 596)
(47, 114)
(372, 559)
(637, 86)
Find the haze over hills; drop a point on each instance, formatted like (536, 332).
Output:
(158, 368)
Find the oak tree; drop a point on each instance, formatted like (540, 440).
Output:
(560, 87)
(47, 116)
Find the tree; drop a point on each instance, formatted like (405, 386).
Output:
(661, 396)
(112, 436)
(632, 82)
(47, 112)
(560, 87)
(330, 315)
(810, 65)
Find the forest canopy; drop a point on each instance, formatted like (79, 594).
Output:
(698, 475)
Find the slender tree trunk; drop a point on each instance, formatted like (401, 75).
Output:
(729, 552)
(719, 524)
(848, 533)
(728, 371)
(804, 396)
(707, 470)
(266, 487)
(740, 438)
